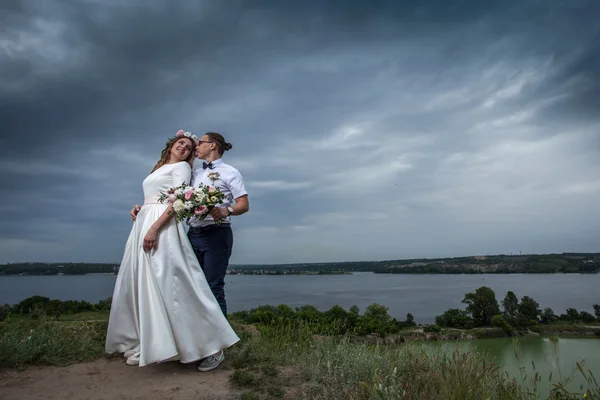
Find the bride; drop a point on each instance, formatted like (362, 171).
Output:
(162, 307)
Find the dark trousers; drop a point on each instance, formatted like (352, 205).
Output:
(213, 245)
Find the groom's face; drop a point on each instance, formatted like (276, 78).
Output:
(203, 148)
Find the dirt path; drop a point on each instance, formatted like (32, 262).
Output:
(115, 380)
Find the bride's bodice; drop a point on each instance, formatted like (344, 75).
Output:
(166, 177)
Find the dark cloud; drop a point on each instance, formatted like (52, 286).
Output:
(452, 114)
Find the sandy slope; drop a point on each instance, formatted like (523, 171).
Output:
(113, 379)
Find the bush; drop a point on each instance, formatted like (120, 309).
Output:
(335, 321)
(432, 328)
(29, 304)
(104, 305)
(586, 317)
(376, 320)
(455, 318)
(500, 322)
(38, 305)
(548, 316)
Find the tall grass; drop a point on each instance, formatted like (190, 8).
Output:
(44, 340)
(343, 370)
(338, 367)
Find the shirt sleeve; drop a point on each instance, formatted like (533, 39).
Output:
(236, 184)
(182, 173)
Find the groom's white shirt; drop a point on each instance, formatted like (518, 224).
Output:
(230, 183)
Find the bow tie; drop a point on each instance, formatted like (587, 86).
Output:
(209, 165)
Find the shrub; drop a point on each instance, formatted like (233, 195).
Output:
(375, 320)
(548, 316)
(500, 322)
(586, 317)
(455, 318)
(434, 328)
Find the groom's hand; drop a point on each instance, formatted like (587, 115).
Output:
(219, 213)
(134, 212)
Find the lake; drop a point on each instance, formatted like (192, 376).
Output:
(424, 296)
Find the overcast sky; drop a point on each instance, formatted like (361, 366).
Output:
(364, 130)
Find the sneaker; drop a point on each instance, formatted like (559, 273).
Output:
(211, 362)
(134, 359)
(131, 352)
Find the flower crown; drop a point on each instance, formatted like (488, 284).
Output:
(190, 135)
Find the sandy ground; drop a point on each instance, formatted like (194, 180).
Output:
(113, 379)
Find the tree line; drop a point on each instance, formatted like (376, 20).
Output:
(500, 264)
(57, 268)
(482, 310)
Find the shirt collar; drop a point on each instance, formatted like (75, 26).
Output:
(215, 163)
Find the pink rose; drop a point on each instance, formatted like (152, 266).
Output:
(200, 210)
(188, 195)
(212, 189)
(179, 133)
(172, 198)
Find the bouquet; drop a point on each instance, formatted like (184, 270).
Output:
(191, 202)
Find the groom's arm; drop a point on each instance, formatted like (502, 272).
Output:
(235, 183)
(242, 205)
(239, 193)
(134, 212)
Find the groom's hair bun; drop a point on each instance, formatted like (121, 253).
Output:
(220, 140)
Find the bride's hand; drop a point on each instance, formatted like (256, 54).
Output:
(151, 239)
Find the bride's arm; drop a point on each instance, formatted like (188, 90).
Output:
(182, 173)
(151, 238)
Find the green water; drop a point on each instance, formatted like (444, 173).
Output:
(535, 354)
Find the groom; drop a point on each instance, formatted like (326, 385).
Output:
(213, 242)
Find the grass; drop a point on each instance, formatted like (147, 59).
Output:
(286, 360)
(33, 341)
(341, 368)
(85, 316)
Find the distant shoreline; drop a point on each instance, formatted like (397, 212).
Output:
(252, 273)
(588, 263)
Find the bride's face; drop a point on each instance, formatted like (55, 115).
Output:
(181, 150)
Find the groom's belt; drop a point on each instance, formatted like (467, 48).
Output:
(207, 228)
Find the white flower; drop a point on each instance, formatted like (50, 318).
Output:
(200, 197)
(188, 205)
(213, 176)
(179, 192)
(213, 199)
(178, 206)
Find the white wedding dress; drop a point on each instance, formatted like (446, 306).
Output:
(162, 301)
